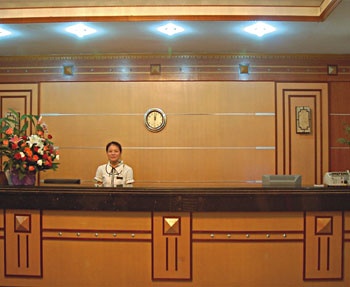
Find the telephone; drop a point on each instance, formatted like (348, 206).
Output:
(337, 178)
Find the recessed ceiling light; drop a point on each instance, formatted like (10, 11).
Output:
(81, 30)
(4, 32)
(260, 29)
(170, 29)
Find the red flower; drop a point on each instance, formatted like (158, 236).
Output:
(48, 163)
(17, 156)
(14, 146)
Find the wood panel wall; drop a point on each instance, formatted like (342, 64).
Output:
(221, 124)
(339, 114)
(302, 152)
(217, 133)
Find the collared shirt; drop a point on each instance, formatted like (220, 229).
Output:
(120, 176)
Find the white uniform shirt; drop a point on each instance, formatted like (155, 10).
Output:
(120, 176)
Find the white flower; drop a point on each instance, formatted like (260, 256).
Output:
(34, 140)
(22, 154)
(40, 162)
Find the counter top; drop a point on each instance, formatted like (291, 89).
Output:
(176, 199)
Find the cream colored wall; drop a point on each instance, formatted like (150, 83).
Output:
(217, 133)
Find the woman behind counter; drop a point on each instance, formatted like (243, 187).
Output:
(115, 173)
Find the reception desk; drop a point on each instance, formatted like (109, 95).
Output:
(72, 237)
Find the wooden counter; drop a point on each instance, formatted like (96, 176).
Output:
(176, 199)
(174, 237)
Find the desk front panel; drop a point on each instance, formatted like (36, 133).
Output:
(106, 248)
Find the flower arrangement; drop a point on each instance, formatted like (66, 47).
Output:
(26, 153)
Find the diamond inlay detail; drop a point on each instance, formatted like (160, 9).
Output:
(324, 225)
(171, 225)
(22, 223)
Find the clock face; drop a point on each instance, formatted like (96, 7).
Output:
(155, 119)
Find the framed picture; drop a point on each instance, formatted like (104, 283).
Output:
(303, 120)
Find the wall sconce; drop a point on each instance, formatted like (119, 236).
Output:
(68, 70)
(155, 69)
(243, 69)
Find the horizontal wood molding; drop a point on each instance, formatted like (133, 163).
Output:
(205, 67)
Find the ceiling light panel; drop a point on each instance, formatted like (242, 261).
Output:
(260, 29)
(4, 32)
(170, 29)
(80, 30)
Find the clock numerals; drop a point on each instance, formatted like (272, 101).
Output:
(155, 119)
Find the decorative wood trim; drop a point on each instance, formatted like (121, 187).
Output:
(170, 243)
(23, 247)
(323, 249)
(96, 235)
(206, 67)
(192, 10)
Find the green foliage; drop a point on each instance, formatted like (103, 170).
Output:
(26, 152)
(345, 140)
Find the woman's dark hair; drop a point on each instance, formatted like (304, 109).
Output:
(114, 143)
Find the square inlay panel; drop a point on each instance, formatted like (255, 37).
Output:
(22, 223)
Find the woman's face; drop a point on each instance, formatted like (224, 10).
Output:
(113, 153)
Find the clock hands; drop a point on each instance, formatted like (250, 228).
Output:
(155, 119)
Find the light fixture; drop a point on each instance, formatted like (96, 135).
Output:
(4, 32)
(260, 29)
(80, 30)
(170, 29)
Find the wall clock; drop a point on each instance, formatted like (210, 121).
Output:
(155, 120)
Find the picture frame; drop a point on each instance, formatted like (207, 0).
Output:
(303, 120)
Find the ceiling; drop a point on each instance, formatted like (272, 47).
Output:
(303, 27)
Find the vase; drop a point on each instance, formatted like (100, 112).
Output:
(28, 179)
